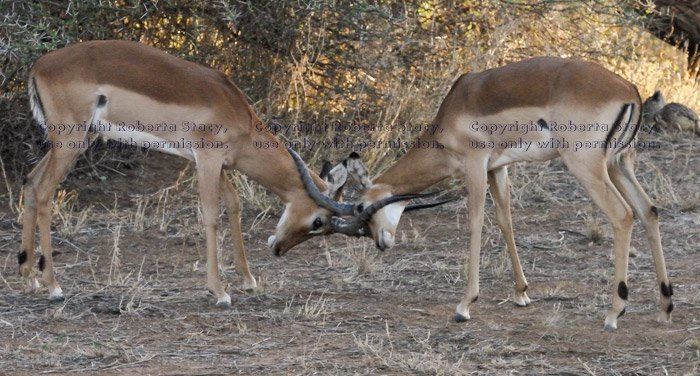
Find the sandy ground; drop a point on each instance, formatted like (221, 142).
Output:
(337, 306)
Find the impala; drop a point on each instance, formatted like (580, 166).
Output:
(141, 96)
(533, 110)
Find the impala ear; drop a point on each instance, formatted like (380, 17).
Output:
(327, 167)
(357, 171)
(335, 179)
(318, 197)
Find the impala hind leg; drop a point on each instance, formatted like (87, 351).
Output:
(26, 254)
(500, 191)
(208, 175)
(233, 207)
(594, 177)
(625, 181)
(39, 191)
(476, 186)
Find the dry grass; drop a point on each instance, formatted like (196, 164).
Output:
(594, 230)
(136, 300)
(336, 306)
(71, 220)
(364, 259)
(133, 269)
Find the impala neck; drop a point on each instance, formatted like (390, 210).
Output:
(419, 169)
(273, 168)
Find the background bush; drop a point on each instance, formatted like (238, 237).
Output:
(362, 61)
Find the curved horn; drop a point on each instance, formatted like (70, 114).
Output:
(318, 197)
(358, 225)
(369, 211)
(425, 206)
(354, 227)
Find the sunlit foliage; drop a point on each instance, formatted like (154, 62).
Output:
(374, 62)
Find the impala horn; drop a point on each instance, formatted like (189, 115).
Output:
(353, 227)
(321, 199)
(358, 225)
(369, 211)
(425, 206)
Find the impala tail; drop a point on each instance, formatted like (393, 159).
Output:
(35, 101)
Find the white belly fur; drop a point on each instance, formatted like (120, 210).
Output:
(536, 145)
(129, 108)
(140, 139)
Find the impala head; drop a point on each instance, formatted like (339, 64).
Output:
(380, 211)
(376, 215)
(386, 218)
(303, 218)
(382, 222)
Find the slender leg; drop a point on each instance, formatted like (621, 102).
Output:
(26, 254)
(233, 207)
(39, 192)
(500, 191)
(625, 181)
(208, 175)
(593, 175)
(476, 185)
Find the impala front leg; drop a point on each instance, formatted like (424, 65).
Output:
(208, 175)
(233, 207)
(500, 191)
(476, 185)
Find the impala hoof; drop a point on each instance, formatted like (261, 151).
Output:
(609, 328)
(459, 318)
(57, 299)
(224, 301)
(250, 285)
(521, 300)
(664, 318)
(31, 285)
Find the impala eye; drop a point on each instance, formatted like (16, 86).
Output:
(360, 208)
(318, 223)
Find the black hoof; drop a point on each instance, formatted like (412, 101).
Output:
(57, 299)
(459, 318)
(223, 304)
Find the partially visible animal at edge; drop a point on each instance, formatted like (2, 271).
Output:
(664, 115)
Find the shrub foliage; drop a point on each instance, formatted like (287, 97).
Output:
(372, 62)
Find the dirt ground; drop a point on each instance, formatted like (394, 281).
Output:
(136, 301)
